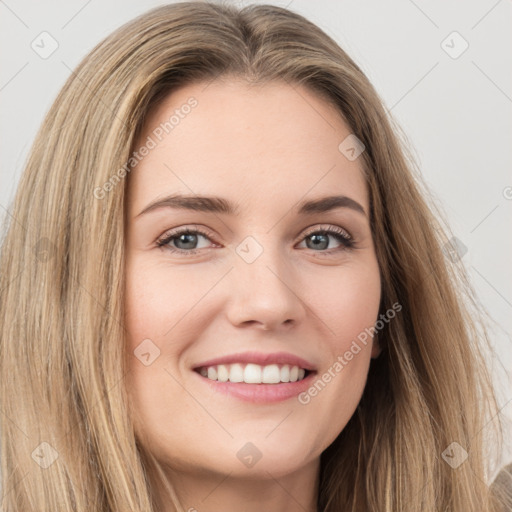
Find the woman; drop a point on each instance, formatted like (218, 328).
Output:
(224, 288)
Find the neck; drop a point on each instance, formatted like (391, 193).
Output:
(216, 492)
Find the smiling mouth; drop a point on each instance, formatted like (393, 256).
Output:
(254, 373)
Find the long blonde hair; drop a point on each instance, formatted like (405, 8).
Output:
(67, 439)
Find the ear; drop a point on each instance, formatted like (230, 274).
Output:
(376, 348)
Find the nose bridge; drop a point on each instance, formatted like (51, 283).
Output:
(263, 286)
(260, 258)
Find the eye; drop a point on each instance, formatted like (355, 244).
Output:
(184, 240)
(319, 239)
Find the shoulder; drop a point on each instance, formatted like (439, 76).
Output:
(502, 487)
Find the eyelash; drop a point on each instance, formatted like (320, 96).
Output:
(341, 235)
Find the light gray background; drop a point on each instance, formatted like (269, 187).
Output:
(455, 109)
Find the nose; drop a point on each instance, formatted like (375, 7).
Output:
(264, 293)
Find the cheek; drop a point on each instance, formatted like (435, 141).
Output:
(347, 301)
(162, 301)
(162, 315)
(158, 305)
(348, 305)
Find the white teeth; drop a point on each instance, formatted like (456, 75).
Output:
(236, 373)
(253, 373)
(222, 373)
(271, 374)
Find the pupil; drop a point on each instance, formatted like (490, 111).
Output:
(317, 239)
(183, 238)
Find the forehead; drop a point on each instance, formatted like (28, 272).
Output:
(270, 142)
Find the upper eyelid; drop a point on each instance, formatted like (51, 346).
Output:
(325, 227)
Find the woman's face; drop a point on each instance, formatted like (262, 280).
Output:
(263, 284)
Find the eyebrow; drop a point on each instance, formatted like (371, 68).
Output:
(221, 205)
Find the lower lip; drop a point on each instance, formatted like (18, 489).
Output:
(260, 393)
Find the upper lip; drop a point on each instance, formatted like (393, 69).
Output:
(259, 358)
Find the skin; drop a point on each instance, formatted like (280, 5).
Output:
(265, 148)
